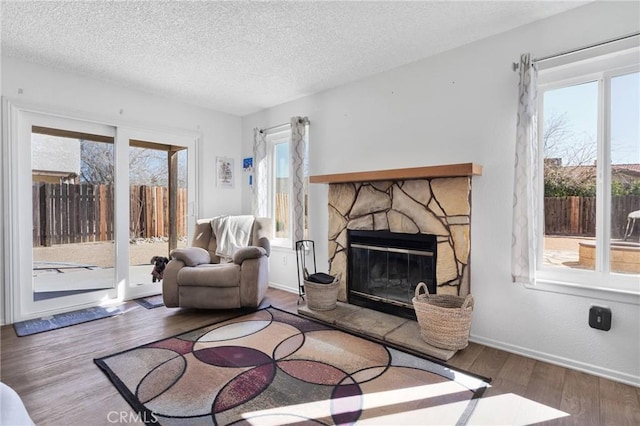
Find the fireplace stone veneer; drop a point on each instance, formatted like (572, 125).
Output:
(438, 206)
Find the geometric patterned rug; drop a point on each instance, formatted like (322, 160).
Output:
(274, 367)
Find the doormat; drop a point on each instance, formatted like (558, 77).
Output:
(274, 367)
(40, 325)
(151, 301)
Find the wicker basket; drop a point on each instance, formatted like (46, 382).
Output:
(321, 297)
(445, 320)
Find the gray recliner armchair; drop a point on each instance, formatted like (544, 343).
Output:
(197, 278)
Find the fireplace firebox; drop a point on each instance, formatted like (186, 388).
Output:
(385, 267)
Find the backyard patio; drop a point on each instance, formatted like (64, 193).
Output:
(101, 253)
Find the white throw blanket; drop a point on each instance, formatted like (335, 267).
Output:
(232, 233)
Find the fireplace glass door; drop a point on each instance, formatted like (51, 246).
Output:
(389, 274)
(385, 268)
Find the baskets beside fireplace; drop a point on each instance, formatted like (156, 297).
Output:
(322, 297)
(445, 320)
(320, 288)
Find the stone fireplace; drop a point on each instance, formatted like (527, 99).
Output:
(433, 201)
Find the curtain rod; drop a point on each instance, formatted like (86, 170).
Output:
(591, 46)
(301, 120)
(274, 127)
(580, 49)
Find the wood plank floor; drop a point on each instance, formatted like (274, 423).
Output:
(55, 375)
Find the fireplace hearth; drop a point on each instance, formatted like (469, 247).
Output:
(384, 268)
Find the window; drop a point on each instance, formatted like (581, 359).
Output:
(589, 134)
(281, 179)
(279, 184)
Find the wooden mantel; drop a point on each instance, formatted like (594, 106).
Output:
(446, 170)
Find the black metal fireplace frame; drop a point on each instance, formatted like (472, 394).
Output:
(393, 240)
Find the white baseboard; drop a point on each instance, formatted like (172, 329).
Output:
(283, 287)
(615, 375)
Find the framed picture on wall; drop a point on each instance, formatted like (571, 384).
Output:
(247, 164)
(224, 172)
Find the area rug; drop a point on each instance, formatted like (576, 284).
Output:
(40, 325)
(151, 301)
(274, 367)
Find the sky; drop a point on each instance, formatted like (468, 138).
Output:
(578, 105)
(625, 119)
(282, 162)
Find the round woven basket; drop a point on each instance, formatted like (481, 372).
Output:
(445, 320)
(321, 297)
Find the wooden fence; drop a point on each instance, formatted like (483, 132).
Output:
(149, 211)
(64, 214)
(282, 218)
(282, 214)
(577, 215)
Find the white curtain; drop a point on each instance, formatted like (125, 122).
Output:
(299, 176)
(525, 188)
(260, 174)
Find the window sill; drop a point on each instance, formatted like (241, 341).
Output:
(547, 282)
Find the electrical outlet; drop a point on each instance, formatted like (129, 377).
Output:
(600, 318)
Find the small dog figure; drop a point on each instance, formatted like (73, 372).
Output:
(159, 263)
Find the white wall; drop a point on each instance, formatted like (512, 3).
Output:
(460, 106)
(53, 91)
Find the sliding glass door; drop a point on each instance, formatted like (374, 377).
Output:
(62, 214)
(75, 210)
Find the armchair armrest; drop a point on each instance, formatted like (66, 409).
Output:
(251, 252)
(191, 256)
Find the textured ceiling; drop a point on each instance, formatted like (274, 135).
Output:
(241, 57)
